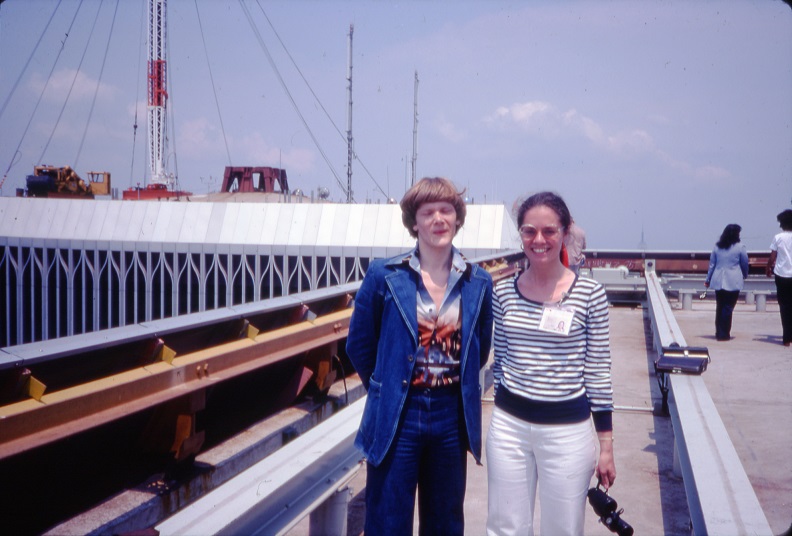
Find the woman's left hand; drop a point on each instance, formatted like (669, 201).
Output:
(606, 467)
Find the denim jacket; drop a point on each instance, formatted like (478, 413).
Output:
(383, 338)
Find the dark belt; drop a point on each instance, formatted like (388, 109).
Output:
(438, 389)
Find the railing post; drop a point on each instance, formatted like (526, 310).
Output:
(687, 299)
(761, 302)
(330, 518)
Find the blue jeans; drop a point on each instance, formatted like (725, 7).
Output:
(429, 452)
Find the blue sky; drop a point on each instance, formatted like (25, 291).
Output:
(667, 118)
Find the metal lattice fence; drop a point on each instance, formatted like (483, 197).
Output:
(51, 292)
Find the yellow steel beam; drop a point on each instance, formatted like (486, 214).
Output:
(503, 267)
(30, 423)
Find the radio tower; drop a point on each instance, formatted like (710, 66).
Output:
(157, 91)
(350, 146)
(415, 130)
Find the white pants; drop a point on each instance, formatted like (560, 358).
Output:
(520, 455)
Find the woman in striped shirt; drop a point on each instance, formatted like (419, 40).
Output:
(552, 375)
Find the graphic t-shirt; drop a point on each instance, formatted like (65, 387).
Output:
(439, 330)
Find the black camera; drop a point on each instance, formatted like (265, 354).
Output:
(605, 507)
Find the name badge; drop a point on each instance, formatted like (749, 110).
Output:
(556, 319)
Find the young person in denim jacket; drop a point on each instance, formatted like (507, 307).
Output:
(419, 335)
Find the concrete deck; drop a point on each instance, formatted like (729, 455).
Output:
(749, 380)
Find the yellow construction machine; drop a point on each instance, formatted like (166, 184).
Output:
(52, 181)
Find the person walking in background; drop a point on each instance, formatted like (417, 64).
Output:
(780, 266)
(728, 268)
(552, 373)
(575, 244)
(419, 335)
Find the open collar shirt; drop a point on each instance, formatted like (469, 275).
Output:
(440, 330)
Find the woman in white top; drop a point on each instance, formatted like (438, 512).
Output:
(552, 379)
(780, 265)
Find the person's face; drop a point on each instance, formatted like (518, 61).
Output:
(542, 235)
(436, 224)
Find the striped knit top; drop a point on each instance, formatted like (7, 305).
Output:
(552, 378)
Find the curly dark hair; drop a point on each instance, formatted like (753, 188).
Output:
(431, 190)
(547, 199)
(729, 236)
(785, 219)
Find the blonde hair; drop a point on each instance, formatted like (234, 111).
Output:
(431, 190)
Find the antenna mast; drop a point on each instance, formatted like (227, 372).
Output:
(157, 91)
(350, 150)
(415, 129)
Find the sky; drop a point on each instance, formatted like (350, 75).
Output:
(659, 122)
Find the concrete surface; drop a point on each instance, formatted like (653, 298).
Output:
(749, 379)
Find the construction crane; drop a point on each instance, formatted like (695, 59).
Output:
(157, 92)
(163, 184)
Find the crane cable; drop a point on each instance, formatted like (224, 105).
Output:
(17, 155)
(44, 32)
(170, 116)
(137, 100)
(343, 136)
(211, 78)
(289, 95)
(98, 84)
(71, 87)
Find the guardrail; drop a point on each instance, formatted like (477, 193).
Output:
(720, 497)
(307, 476)
(756, 289)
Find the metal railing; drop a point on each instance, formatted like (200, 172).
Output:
(271, 497)
(720, 497)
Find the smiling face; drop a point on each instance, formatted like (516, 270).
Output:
(542, 235)
(436, 224)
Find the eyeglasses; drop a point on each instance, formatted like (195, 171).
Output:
(529, 232)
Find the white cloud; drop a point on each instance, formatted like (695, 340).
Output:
(81, 86)
(522, 114)
(635, 141)
(450, 131)
(139, 108)
(544, 120)
(714, 173)
(253, 150)
(198, 138)
(585, 126)
(539, 118)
